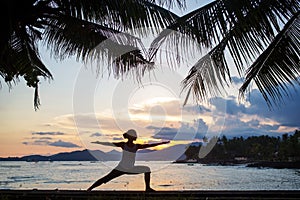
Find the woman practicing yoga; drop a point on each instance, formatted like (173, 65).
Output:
(126, 165)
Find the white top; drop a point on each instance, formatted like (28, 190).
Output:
(128, 157)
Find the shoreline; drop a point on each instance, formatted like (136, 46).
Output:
(107, 195)
(276, 165)
(257, 164)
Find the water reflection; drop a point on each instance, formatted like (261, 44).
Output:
(165, 176)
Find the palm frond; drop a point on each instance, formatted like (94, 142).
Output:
(278, 66)
(64, 42)
(100, 44)
(195, 26)
(245, 28)
(31, 67)
(252, 32)
(118, 14)
(132, 61)
(207, 77)
(254, 22)
(22, 59)
(170, 3)
(76, 27)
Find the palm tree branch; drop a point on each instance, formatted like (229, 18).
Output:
(278, 66)
(246, 39)
(255, 24)
(22, 59)
(100, 43)
(138, 13)
(169, 4)
(207, 77)
(61, 38)
(195, 24)
(256, 30)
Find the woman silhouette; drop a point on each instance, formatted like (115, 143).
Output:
(126, 165)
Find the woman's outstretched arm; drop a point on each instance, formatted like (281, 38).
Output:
(143, 146)
(113, 144)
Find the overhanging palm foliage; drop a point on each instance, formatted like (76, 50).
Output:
(278, 65)
(74, 27)
(261, 36)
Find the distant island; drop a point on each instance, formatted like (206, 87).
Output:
(255, 151)
(168, 154)
(83, 155)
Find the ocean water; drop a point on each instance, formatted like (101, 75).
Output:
(165, 176)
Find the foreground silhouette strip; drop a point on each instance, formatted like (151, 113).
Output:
(107, 195)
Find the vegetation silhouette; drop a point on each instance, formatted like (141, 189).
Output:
(73, 28)
(261, 37)
(252, 149)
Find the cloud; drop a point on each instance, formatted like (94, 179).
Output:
(46, 138)
(48, 142)
(82, 121)
(39, 142)
(48, 133)
(165, 133)
(157, 106)
(159, 111)
(96, 134)
(236, 80)
(241, 118)
(186, 131)
(235, 127)
(113, 136)
(286, 115)
(89, 121)
(254, 117)
(200, 109)
(227, 105)
(61, 143)
(118, 138)
(42, 138)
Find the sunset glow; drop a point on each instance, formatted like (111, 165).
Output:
(105, 107)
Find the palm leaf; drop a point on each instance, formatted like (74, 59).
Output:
(169, 3)
(244, 28)
(207, 77)
(195, 26)
(119, 14)
(31, 67)
(22, 59)
(278, 66)
(64, 42)
(23, 23)
(208, 25)
(100, 44)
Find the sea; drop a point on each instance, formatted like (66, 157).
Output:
(60, 175)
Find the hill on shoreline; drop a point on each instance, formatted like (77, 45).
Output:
(168, 154)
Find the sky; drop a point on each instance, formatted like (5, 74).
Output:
(78, 106)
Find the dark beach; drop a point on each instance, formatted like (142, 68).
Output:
(194, 194)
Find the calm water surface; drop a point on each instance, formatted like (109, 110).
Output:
(165, 176)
